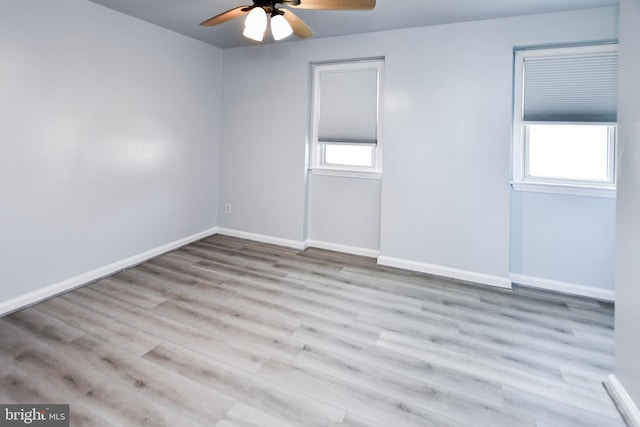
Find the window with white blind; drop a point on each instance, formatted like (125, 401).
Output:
(345, 136)
(565, 112)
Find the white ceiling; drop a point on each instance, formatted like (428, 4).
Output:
(183, 16)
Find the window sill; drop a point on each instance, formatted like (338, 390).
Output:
(346, 173)
(574, 190)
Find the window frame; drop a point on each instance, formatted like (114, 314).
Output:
(521, 181)
(318, 166)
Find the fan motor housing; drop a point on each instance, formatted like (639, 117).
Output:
(272, 3)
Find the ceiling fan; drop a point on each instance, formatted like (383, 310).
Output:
(283, 21)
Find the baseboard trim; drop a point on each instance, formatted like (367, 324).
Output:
(628, 410)
(353, 250)
(454, 273)
(563, 287)
(80, 280)
(262, 238)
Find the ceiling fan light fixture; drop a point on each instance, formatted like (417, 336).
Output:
(253, 34)
(280, 28)
(256, 24)
(283, 22)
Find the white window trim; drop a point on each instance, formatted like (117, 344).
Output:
(317, 167)
(520, 181)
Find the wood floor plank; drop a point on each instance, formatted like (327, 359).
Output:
(177, 269)
(351, 420)
(535, 382)
(548, 307)
(361, 290)
(246, 263)
(583, 378)
(338, 258)
(565, 349)
(463, 410)
(382, 374)
(546, 408)
(424, 293)
(124, 406)
(132, 294)
(53, 376)
(45, 362)
(23, 388)
(237, 315)
(297, 314)
(125, 336)
(218, 346)
(168, 285)
(533, 294)
(409, 321)
(273, 293)
(497, 316)
(241, 415)
(437, 374)
(228, 332)
(246, 257)
(267, 343)
(277, 401)
(194, 401)
(47, 327)
(365, 402)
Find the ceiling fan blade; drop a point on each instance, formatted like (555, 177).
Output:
(300, 29)
(226, 16)
(336, 4)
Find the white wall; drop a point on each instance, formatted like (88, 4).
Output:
(265, 116)
(627, 351)
(446, 179)
(563, 238)
(447, 123)
(345, 211)
(109, 132)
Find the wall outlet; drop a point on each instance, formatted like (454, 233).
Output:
(227, 208)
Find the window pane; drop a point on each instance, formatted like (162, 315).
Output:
(348, 155)
(575, 152)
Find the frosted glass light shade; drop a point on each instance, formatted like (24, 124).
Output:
(280, 28)
(255, 24)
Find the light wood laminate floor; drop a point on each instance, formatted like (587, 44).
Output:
(228, 333)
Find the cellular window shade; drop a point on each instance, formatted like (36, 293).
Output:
(580, 88)
(348, 106)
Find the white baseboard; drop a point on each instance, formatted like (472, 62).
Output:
(454, 273)
(299, 245)
(262, 238)
(563, 287)
(628, 410)
(38, 295)
(354, 250)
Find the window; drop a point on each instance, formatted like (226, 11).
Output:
(581, 153)
(565, 112)
(346, 119)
